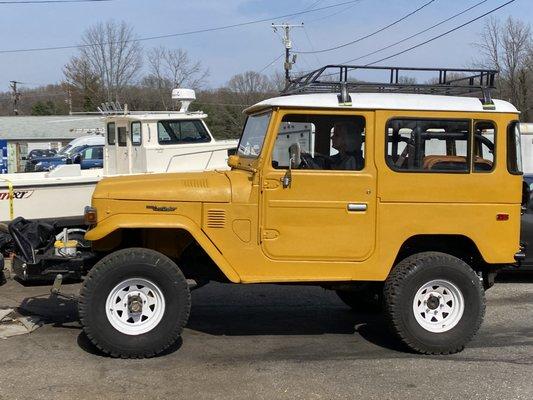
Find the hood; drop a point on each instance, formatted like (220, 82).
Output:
(209, 186)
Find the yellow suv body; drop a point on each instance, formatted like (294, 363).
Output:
(419, 201)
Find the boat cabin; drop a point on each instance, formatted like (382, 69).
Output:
(166, 141)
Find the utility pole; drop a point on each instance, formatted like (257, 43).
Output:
(15, 96)
(69, 100)
(288, 45)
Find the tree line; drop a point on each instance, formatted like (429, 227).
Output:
(111, 66)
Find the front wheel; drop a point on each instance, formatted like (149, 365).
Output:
(134, 303)
(434, 303)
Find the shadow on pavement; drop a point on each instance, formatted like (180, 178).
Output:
(515, 277)
(267, 320)
(54, 310)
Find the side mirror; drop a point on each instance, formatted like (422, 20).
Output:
(76, 159)
(233, 161)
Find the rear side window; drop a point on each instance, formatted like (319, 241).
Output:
(484, 146)
(111, 133)
(176, 132)
(428, 145)
(514, 150)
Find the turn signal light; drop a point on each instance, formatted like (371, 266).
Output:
(502, 217)
(90, 215)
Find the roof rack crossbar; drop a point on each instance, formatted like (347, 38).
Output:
(447, 81)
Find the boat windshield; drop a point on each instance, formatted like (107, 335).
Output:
(253, 135)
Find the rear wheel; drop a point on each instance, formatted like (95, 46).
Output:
(134, 303)
(434, 302)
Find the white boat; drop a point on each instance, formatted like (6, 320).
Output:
(136, 143)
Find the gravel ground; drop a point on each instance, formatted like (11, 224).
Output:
(270, 342)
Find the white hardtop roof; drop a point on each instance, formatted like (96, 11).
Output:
(384, 101)
(156, 115)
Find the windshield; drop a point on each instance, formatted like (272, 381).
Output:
(64, 150)
(73, 150)
(253, 135)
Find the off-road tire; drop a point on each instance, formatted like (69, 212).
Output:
(401, 287)
(366, 299)
(117, 267)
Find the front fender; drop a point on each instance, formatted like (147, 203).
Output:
(131, 221)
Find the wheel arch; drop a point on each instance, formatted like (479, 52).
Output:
(459, 246)
(134, 230)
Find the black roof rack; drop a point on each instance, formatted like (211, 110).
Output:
(447, 81)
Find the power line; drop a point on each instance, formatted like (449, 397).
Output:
(416, 34)
(370, 34)
(332, 14)
(193, 32)
(270, 63)
(311, 43)
(50, 1)
(442, 34)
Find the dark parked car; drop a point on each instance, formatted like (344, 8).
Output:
(41, 153)
(526, 226)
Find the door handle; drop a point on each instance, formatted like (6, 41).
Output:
(357, 207)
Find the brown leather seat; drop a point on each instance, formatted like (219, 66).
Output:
(431, 162)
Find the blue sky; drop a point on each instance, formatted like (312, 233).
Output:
(246, 48)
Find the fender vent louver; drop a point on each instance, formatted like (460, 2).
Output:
(195, 183)
(216, 218)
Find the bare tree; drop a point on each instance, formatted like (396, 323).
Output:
(172, 68)
(508, 47)
(250, 87)
(110, 51)
(82, 83)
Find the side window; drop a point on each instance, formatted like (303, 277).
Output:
(176, 132)
(111, 138)
(428, 145)
(323, 142)
(136, 137)
(98, 153)
(514, 152)
(122, 134)
(87, 154)
(484, 146)
(93, 153)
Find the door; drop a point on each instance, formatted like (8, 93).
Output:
(122, 150)
(137, 156)
(327, 211)
(110, 150)
(92, 157)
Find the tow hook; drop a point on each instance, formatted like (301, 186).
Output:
(56, 287)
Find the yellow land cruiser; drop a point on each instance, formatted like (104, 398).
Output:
(403, 193)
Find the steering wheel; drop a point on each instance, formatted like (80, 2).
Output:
(307, 161)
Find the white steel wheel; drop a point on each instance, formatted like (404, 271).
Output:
(135, 306)
(438, 306)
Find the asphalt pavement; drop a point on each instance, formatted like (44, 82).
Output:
(269, 342)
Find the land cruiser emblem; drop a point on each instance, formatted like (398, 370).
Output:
(156, 208)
